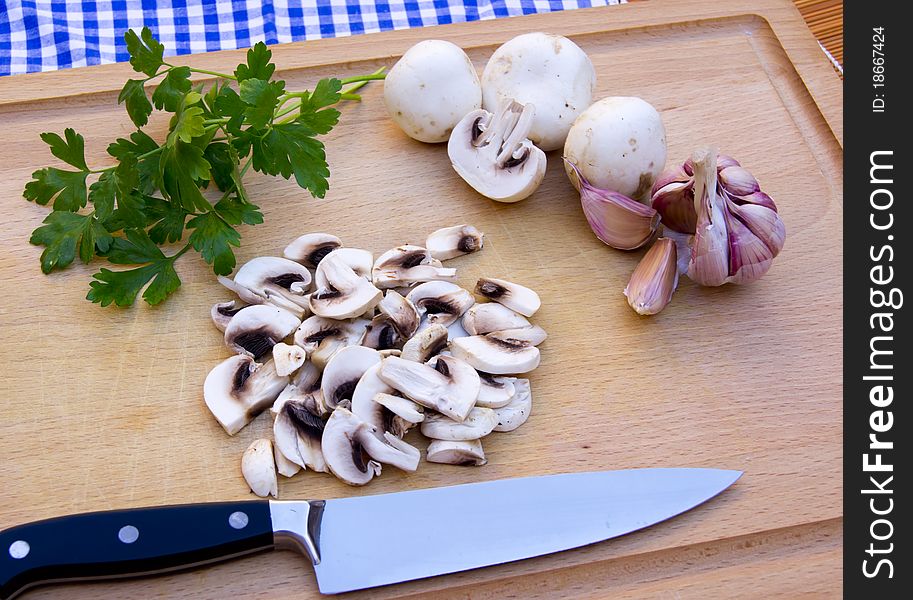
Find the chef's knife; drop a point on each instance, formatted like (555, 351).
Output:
(360, 542)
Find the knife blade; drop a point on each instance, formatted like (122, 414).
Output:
(360, 542)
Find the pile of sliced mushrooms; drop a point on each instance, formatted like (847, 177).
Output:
(349, 352)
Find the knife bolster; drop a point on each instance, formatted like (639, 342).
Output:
(296, 526)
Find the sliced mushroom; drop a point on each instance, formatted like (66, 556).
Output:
(259, 468)
(343, 372)
(346, 294)
(389, 352)
(517, 412)
(450, 387)
(455, 330)
(406, 265)
(468, 452)
(310, 248)
(440, 302)
(495, 356)
(298, 431)
(495, 391)
(533, 335)
(288, 358)
(397, 321)
(491, 316)
(403, 408)
(368, 410)
(451, 242)
(425, 344)
(257, 328)
(270, 276)
(493, 154)
(360, 261)
(512, 295)
(349, 444)
(238, 389)
(477, 424)
(223, 312)
(322, 338)
(284, 466)
(304, 387)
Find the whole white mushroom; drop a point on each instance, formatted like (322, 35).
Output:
(430, 89)
(548, 71)
(618, 143)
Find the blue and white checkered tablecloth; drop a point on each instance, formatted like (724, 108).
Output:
(45, 35)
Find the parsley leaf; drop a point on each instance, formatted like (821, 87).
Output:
(69, 188)
(213, 238)
(114, 186)
(170, 93)
(122, 287)
(146, 54)
(187, 121)
(63, 233)
(168, 219)
(229, 104)
(222, 161)
(258, 64)
(290, 149)
(72, 151)
(262, 98)
(236, 211)
(181, 167)
(133, 95)
(139, 145)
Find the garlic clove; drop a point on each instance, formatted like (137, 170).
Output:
(675, 204)
(738, 181)
(259, 468)
(757, 198)
(710, 249)
(618, 221)
(763, 222)
(655, 278)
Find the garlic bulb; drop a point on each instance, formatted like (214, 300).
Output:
(737, 229)
(617, 220)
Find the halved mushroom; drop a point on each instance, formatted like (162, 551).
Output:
(450, 387)
(360, 261)
(517, 412)
(322, 338)
(406, 265)
(451, 242)
(223, 312)
(493, 154)
(310, 248)
(425, 344)
(491, 355)
(345, 294)
(298, 430)
(270, 276)
(467, 452)
(259, 468)
(238, 389)
(490, 316)
(257, 328)
(533, 335)
(440, 302)
(397, 321)
(343, 372)
(477, 424)
(495, 391)
(365, 407)
(304, 388)
(288, 358)
(514, 296)
(349, 445)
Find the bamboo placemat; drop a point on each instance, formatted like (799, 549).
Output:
(825, 19)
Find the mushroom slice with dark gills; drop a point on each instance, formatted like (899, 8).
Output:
(514, 296)
(322, 338)
(239, 388)
(346, 294)
(275, 279)
(360, 261)
(498, 357)
(256, 329)
(468, 452)
(490, 316)
(298, 430)
(378, 415)
(451, 242)
(223, 312)
(533, 334)
(440, 302)
(343, 372)
(304, 388)
(449, 387)
(354, 450)
(397, 321)
(425, 344)
(310, 248)
(407, 265)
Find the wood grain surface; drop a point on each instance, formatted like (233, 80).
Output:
(102, 408)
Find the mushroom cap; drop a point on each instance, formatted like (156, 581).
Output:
(310, 248)
(406, 265)
(363, 405)
(346, 294)
(430, 88)
(440, 302)
(223, 312)
(468, 452)
(514, 296)
(343, 450)
(450, 387)
(255, 329)
(495, 391)
(549, 71)
(491, 316)
(517, 411)
(425, 344)
(618, 143)
(507, 167)
(272, 274)
(451, 242)
(259, 468)
(360, 261)
(238, 389)
(490, 355)
(477, 424)
(533, 334)
(321, 338)
(344, 371)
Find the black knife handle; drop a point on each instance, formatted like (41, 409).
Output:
(124, 543)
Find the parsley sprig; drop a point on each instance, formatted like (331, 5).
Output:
(160, 192)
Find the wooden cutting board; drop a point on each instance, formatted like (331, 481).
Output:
(102, 407)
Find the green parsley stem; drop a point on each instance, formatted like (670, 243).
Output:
(379, 74)
(205, 72)
(348, 96)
